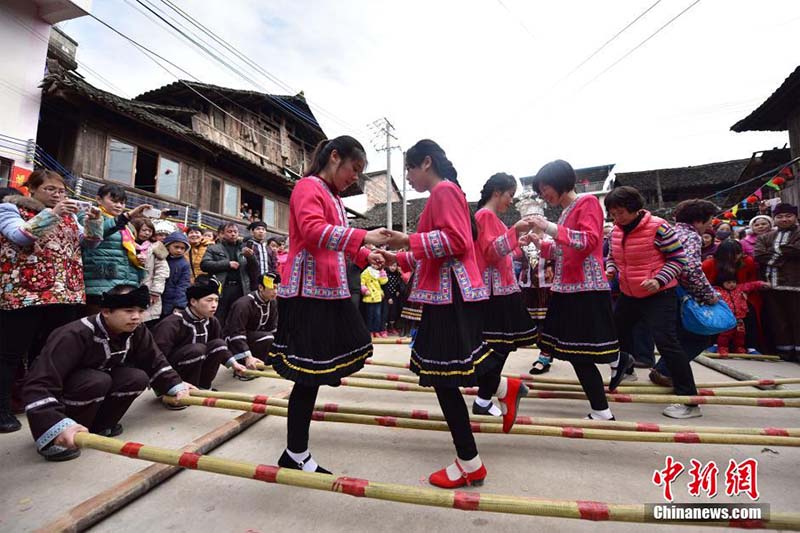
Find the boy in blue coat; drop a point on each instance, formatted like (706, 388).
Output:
(174, 295)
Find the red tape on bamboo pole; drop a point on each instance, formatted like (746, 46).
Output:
(477, 427)
(424, 414)
(466, 501)
(550, 395)
(570, 381)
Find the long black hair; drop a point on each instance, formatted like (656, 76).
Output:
(442, 166)
(346, 146)
(729, 255)
(501, 182)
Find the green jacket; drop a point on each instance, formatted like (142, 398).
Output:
(108, 265)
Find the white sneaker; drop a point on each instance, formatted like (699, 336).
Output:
(679, 410)
(630, 377)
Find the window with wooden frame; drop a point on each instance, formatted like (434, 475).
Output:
(217, 118)
(168, 177)
(268, 212)
(212, 200)
(120, 161)
(230, 200)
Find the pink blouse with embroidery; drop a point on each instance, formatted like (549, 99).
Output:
(577, 248)
(319, 239)
(443, 247)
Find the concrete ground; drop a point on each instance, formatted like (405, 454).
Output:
(33, 492)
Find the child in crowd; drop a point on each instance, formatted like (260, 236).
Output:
(735, 295)
(163, 229)
(153, 255)
(210, 236)
(394, 298)
(372, 280)
(174, 296)
(198, 244)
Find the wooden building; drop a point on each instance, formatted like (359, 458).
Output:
(202, 149)
(780, 112)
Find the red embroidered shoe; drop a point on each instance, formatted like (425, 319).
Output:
(474, 479)
(516, 390)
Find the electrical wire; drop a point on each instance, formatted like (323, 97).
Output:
(632, 50)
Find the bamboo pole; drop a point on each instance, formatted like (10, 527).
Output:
(91, 511)
(548, 395)
(531, 430)
(534, 385)
(466, 501)
(751, 356)
(735, 373)
(750, 381)
(423, 414)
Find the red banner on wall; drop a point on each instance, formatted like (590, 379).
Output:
(19, 176)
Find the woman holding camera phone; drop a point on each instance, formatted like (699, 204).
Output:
(41, 239)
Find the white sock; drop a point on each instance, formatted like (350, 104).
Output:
(502, 389)
(309, 464)
(483, 403)
(493, 410)
(605, 414)
(453, 473)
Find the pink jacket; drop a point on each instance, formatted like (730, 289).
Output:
(319, 238)
(577, 248)
(636, 256)
(494, 248)
(443, 247)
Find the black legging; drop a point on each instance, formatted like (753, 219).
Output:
(488, 383)
(457, 416)
(301, 407)
(303, 398)
(592, 383)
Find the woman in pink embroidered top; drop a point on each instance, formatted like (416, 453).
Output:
(507, 324)
(321, 336)
(579, 326)
(449, 350)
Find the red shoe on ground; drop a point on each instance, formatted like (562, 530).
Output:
(514, 393)
(383, 334)
(473, 479)
(723, 351)
(739, 349)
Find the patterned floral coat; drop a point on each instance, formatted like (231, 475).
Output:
(40, 254)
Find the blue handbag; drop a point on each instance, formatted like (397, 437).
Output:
(705, 319)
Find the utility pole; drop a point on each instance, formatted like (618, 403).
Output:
(405, 206)
(385, 127)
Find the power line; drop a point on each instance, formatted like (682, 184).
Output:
(612, 39)
(632, 50)
(299, 113)
(517, 19)
(153, 55)
(250, 62)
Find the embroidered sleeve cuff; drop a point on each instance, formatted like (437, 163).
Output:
(433, 244)
(176, 389)
(54, 431)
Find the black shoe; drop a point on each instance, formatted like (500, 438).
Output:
(58, 454)
(480, 410)
(110, 432)
(287, 462)
(625, 364)
(9, 423)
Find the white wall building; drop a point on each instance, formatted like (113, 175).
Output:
(25, 27)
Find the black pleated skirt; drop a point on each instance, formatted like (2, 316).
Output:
(449, 350)
(318, 342)
(580, 327)
(536, 301)
(507, 325)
